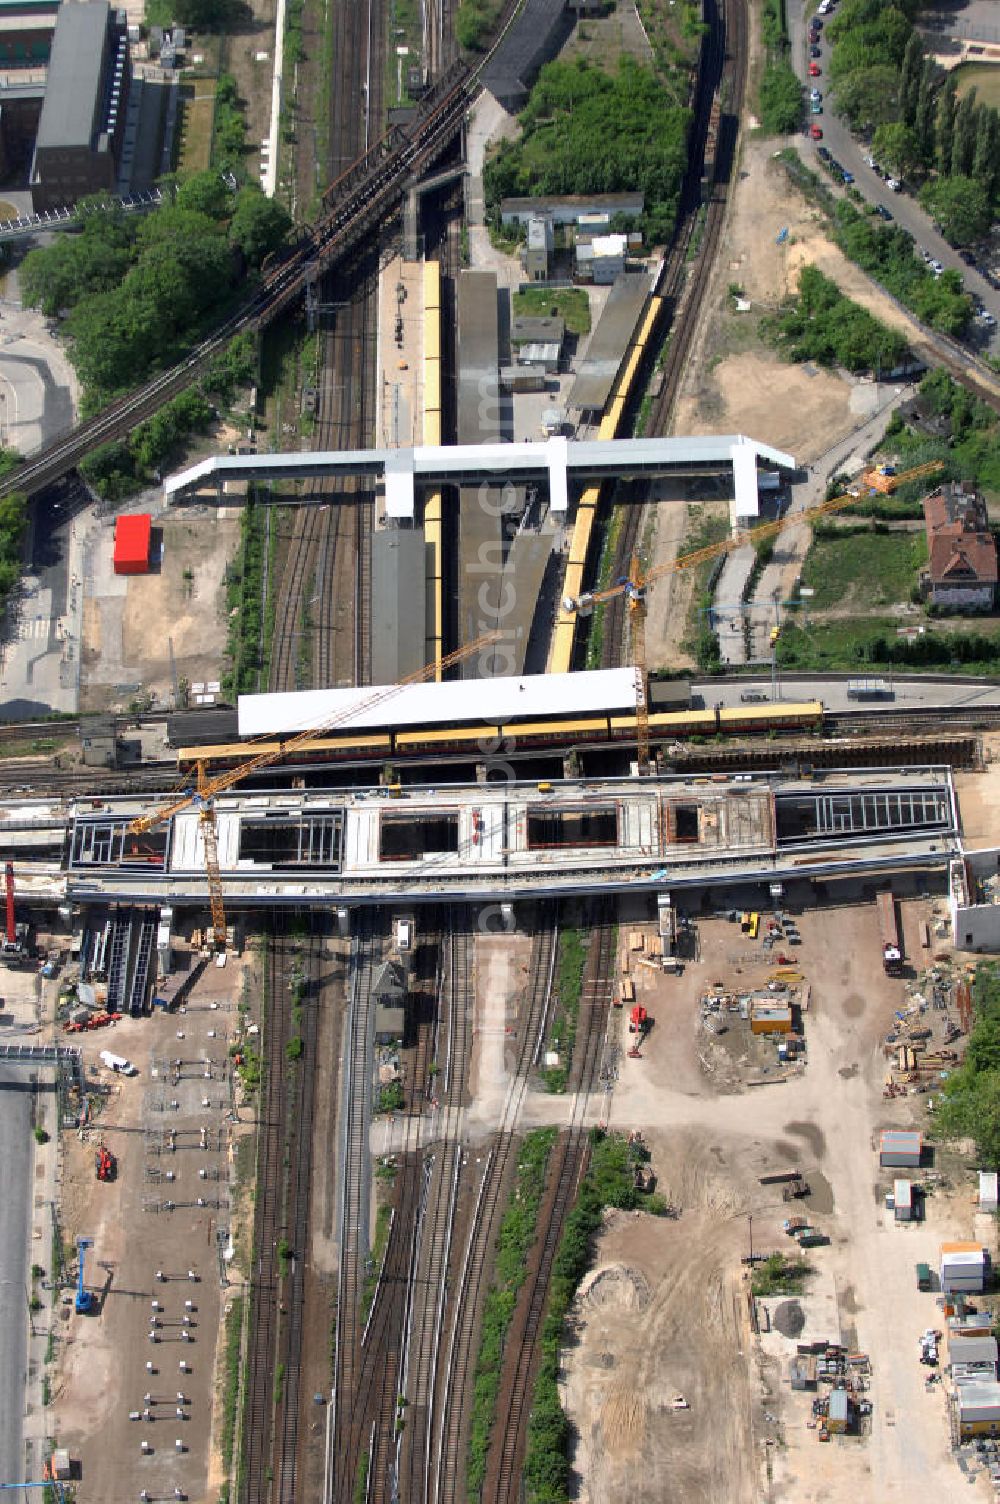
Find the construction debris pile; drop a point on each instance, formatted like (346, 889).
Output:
(937, 1012)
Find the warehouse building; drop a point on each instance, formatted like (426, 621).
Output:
(899, 1150)
(596, 209)
(963, 1268)
(82, 124)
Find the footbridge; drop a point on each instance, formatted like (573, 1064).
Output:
(556, 461)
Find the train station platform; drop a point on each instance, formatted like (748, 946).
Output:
(502, 841)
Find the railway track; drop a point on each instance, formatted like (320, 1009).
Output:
(442, 1170)
(521, 1353)
(683, 285)
(261, 1422)
(446, 1441)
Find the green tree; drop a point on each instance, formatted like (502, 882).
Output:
(897, 148)
(986, 162)
(780, 99)
(259, 225)
(909, 81)
(926, 116)
(869, 97)
(963, 148)
(206, 193)
(209, 15)
(959, 206)
(947, 106)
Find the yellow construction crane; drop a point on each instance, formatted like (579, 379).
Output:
(634, 587)
(206, 789)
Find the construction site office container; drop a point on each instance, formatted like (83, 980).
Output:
(903, 1200)
(963, 1349)
(902, 1150)
(978, 1409)
(838, 1412)
(132, 540)
(988, 1191)
(963, 1267)
(771, 1021)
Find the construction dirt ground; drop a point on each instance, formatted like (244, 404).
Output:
(735, 383)
(107, 1401)
(139, 630)
(663, 1320)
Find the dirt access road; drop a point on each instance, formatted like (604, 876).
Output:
(665, 1314)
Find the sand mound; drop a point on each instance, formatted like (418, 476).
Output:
(615, 1285)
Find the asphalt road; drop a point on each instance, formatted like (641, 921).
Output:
(850, 153)
(16, 1147)
(910, 692)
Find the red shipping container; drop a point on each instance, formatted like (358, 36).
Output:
(132, 536)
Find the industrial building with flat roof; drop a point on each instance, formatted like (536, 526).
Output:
(569, 209)
(82, 123)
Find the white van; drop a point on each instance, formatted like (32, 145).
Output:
(117, 1063)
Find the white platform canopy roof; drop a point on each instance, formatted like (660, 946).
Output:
(452, 703)
(556, 459)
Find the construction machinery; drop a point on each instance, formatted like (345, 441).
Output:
(886, 478)
(635, 585)
(202, 797)
(14, 946)
(84, 1302)
(105, 1164)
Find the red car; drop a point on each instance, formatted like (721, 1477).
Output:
(814, 70)
(816, 132)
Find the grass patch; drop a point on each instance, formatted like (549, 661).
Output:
(517, 1234)
(232, 1339)
(609, 1181)
(383, 1222)
(880, 568)
(197, 120)
(779, 1275)
(569, 303)
(983, 77)
(704, 529)
(569, 981)
(866, 644)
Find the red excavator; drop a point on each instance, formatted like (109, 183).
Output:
(639, 1024)
(14, 946)
(105, 1163)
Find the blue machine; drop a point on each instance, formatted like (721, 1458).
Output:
(84, 1299)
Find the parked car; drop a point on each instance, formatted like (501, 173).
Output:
(936, 267)
(894, 184)
(815, 71)
(848, 176)
(824, 154)
(969, 257)
(882, 211)
(816, 132)
(815, 94)
(815, 107)
(815, 51)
